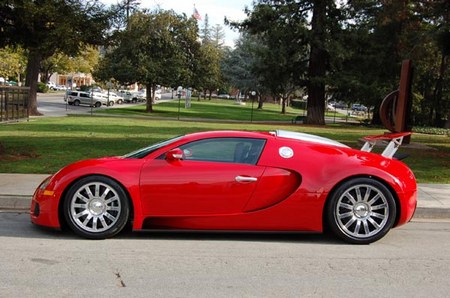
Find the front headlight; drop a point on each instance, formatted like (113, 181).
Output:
(45, 183)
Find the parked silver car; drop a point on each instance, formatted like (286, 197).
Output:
(77, 98)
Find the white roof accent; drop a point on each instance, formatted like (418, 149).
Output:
(308, 138)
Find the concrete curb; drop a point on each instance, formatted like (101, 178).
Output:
(15, 202)
(432, 213)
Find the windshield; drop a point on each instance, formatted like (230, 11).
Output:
(140, 153)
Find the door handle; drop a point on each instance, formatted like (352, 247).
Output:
(246, 179)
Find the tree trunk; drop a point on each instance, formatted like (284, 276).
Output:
(153, 93)
(149, 100)
(437, 94)
(283, 105)
(317, 66)
(447, 123)
(31, 80)
(260, 102)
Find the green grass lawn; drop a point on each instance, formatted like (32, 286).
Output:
(44, 145)
(217, 109)
(210, 109)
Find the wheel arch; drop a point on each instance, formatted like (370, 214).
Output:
(325, 223)
(62, 220)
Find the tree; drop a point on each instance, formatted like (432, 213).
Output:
(12, 63)
(295, 52)
(218, 36)
(439, 16)
(282, 55)
(160, 49)
(238, 64)
(208, 73)
(61, 63)
(378, 37)
(205, 31)
(375, 42)
(123, 10)
(44, 27)
(321, 27)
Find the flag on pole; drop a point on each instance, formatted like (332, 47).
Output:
(196, 15)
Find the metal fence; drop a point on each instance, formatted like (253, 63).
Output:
(14, 103)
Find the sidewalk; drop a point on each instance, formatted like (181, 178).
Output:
(16, 191)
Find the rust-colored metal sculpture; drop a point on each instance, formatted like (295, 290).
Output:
(395, 107)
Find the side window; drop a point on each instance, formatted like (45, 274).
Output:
(84, 95)
(232, 150)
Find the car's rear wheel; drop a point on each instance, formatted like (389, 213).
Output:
(361, 211)
(76, 102)
(96, 207)
(134, 100)
(98, 104)
(111, 103)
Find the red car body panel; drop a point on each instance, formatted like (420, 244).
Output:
(289, 194)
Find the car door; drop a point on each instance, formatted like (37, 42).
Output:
(85, 98)
(215, 176)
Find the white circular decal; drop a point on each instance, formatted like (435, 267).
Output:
(286, 152)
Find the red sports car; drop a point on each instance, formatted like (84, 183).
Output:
(234, 180)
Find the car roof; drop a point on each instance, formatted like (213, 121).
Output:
(298, 136)
(308, 138)
(84, 92)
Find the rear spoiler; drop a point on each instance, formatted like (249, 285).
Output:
(395, 140)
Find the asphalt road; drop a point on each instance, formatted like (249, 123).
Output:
(53, 105)
(411, 261)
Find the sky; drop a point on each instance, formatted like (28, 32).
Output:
(217, 10)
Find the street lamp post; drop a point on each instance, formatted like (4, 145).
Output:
(109, 85)
(252, 94)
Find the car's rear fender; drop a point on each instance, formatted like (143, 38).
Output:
(384, 182)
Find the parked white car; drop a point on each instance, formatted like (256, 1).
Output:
(59, 87)
(115, 98)
(103, 98)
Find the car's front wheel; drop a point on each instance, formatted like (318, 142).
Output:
(96, 207)
(361, 211)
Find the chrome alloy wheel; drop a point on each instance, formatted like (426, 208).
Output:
(95, 207)
(362, 211)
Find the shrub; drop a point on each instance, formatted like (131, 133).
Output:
(298, 103)
(42, 88)
(432, 130)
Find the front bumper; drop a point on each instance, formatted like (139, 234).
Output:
(44, 209)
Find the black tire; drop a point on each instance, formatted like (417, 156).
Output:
(119, 102)
(89, 215)
(111, 103)
(98, 104)
(361, 211)
(134, 100)
(76, 102)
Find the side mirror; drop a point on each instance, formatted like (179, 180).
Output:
(174, 154)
